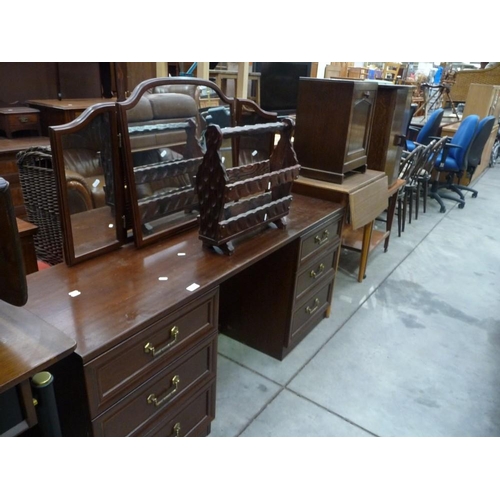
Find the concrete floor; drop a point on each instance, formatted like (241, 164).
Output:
(414, 350)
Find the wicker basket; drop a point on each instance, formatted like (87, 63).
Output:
(40, 198)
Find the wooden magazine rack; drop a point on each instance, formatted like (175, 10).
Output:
(235, 201)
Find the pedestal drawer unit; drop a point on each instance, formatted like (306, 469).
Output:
(275, 320)
(111, 376)
(165, 393)
(138, 383)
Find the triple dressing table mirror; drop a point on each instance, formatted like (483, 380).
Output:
(163, 123)
(89, 182)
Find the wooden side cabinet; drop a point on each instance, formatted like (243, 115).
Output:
(334, 123)
(390, 120)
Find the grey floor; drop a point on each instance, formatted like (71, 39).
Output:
(414, 350)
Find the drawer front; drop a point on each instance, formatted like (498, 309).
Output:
(193, 420)
(314, 273)
(29, 119)
(159, 396)
(316, 241)
(310, 311)
(114, 374)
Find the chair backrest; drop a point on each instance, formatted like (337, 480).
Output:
(411, 162)
(483, 132)
(431, 127)
(431, 153)
(463, 138)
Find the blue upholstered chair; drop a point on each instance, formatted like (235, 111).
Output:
(428, 132)
(452, 162)
(483, 133)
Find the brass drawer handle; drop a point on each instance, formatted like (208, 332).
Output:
(310, 310)
(315, 274)
(177, 430)
(152, 399)
(149, 348)
(24, 119)
(323, 238)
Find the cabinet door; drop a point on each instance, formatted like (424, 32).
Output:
(359, 128)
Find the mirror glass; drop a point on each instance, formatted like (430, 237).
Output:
(89, 183)
(163, 126)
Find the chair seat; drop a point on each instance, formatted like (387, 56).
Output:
(449, 165)
(410, 145)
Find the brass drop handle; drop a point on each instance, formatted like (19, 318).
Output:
(149, 348)
(24, 119)
(177, 430)
(152, 399)
(315, 274)
(310, 310)
(323, 238)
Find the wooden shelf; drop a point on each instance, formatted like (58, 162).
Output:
(352, 239)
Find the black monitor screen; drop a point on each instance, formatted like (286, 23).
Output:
(279, 85)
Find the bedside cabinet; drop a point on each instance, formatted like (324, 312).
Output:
(333, 127)
(19, 119)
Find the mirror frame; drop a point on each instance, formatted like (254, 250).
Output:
(56, 134)
(123, 106)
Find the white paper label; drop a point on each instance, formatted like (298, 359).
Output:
(163, 153)
(96, 183)
(269, 185)
(181, 254)
(162, 278)
(74, 293)
(111, 226)
(254, 152)
(193, 287)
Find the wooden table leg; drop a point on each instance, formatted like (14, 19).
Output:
(365, 250)
(390, 217)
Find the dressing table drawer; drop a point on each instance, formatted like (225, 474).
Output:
(311, 310)
(314, 272)
(192, 420)
(114, 374)
(162, 394)
(322, 237)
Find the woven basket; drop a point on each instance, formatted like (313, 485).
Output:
(40, 198)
